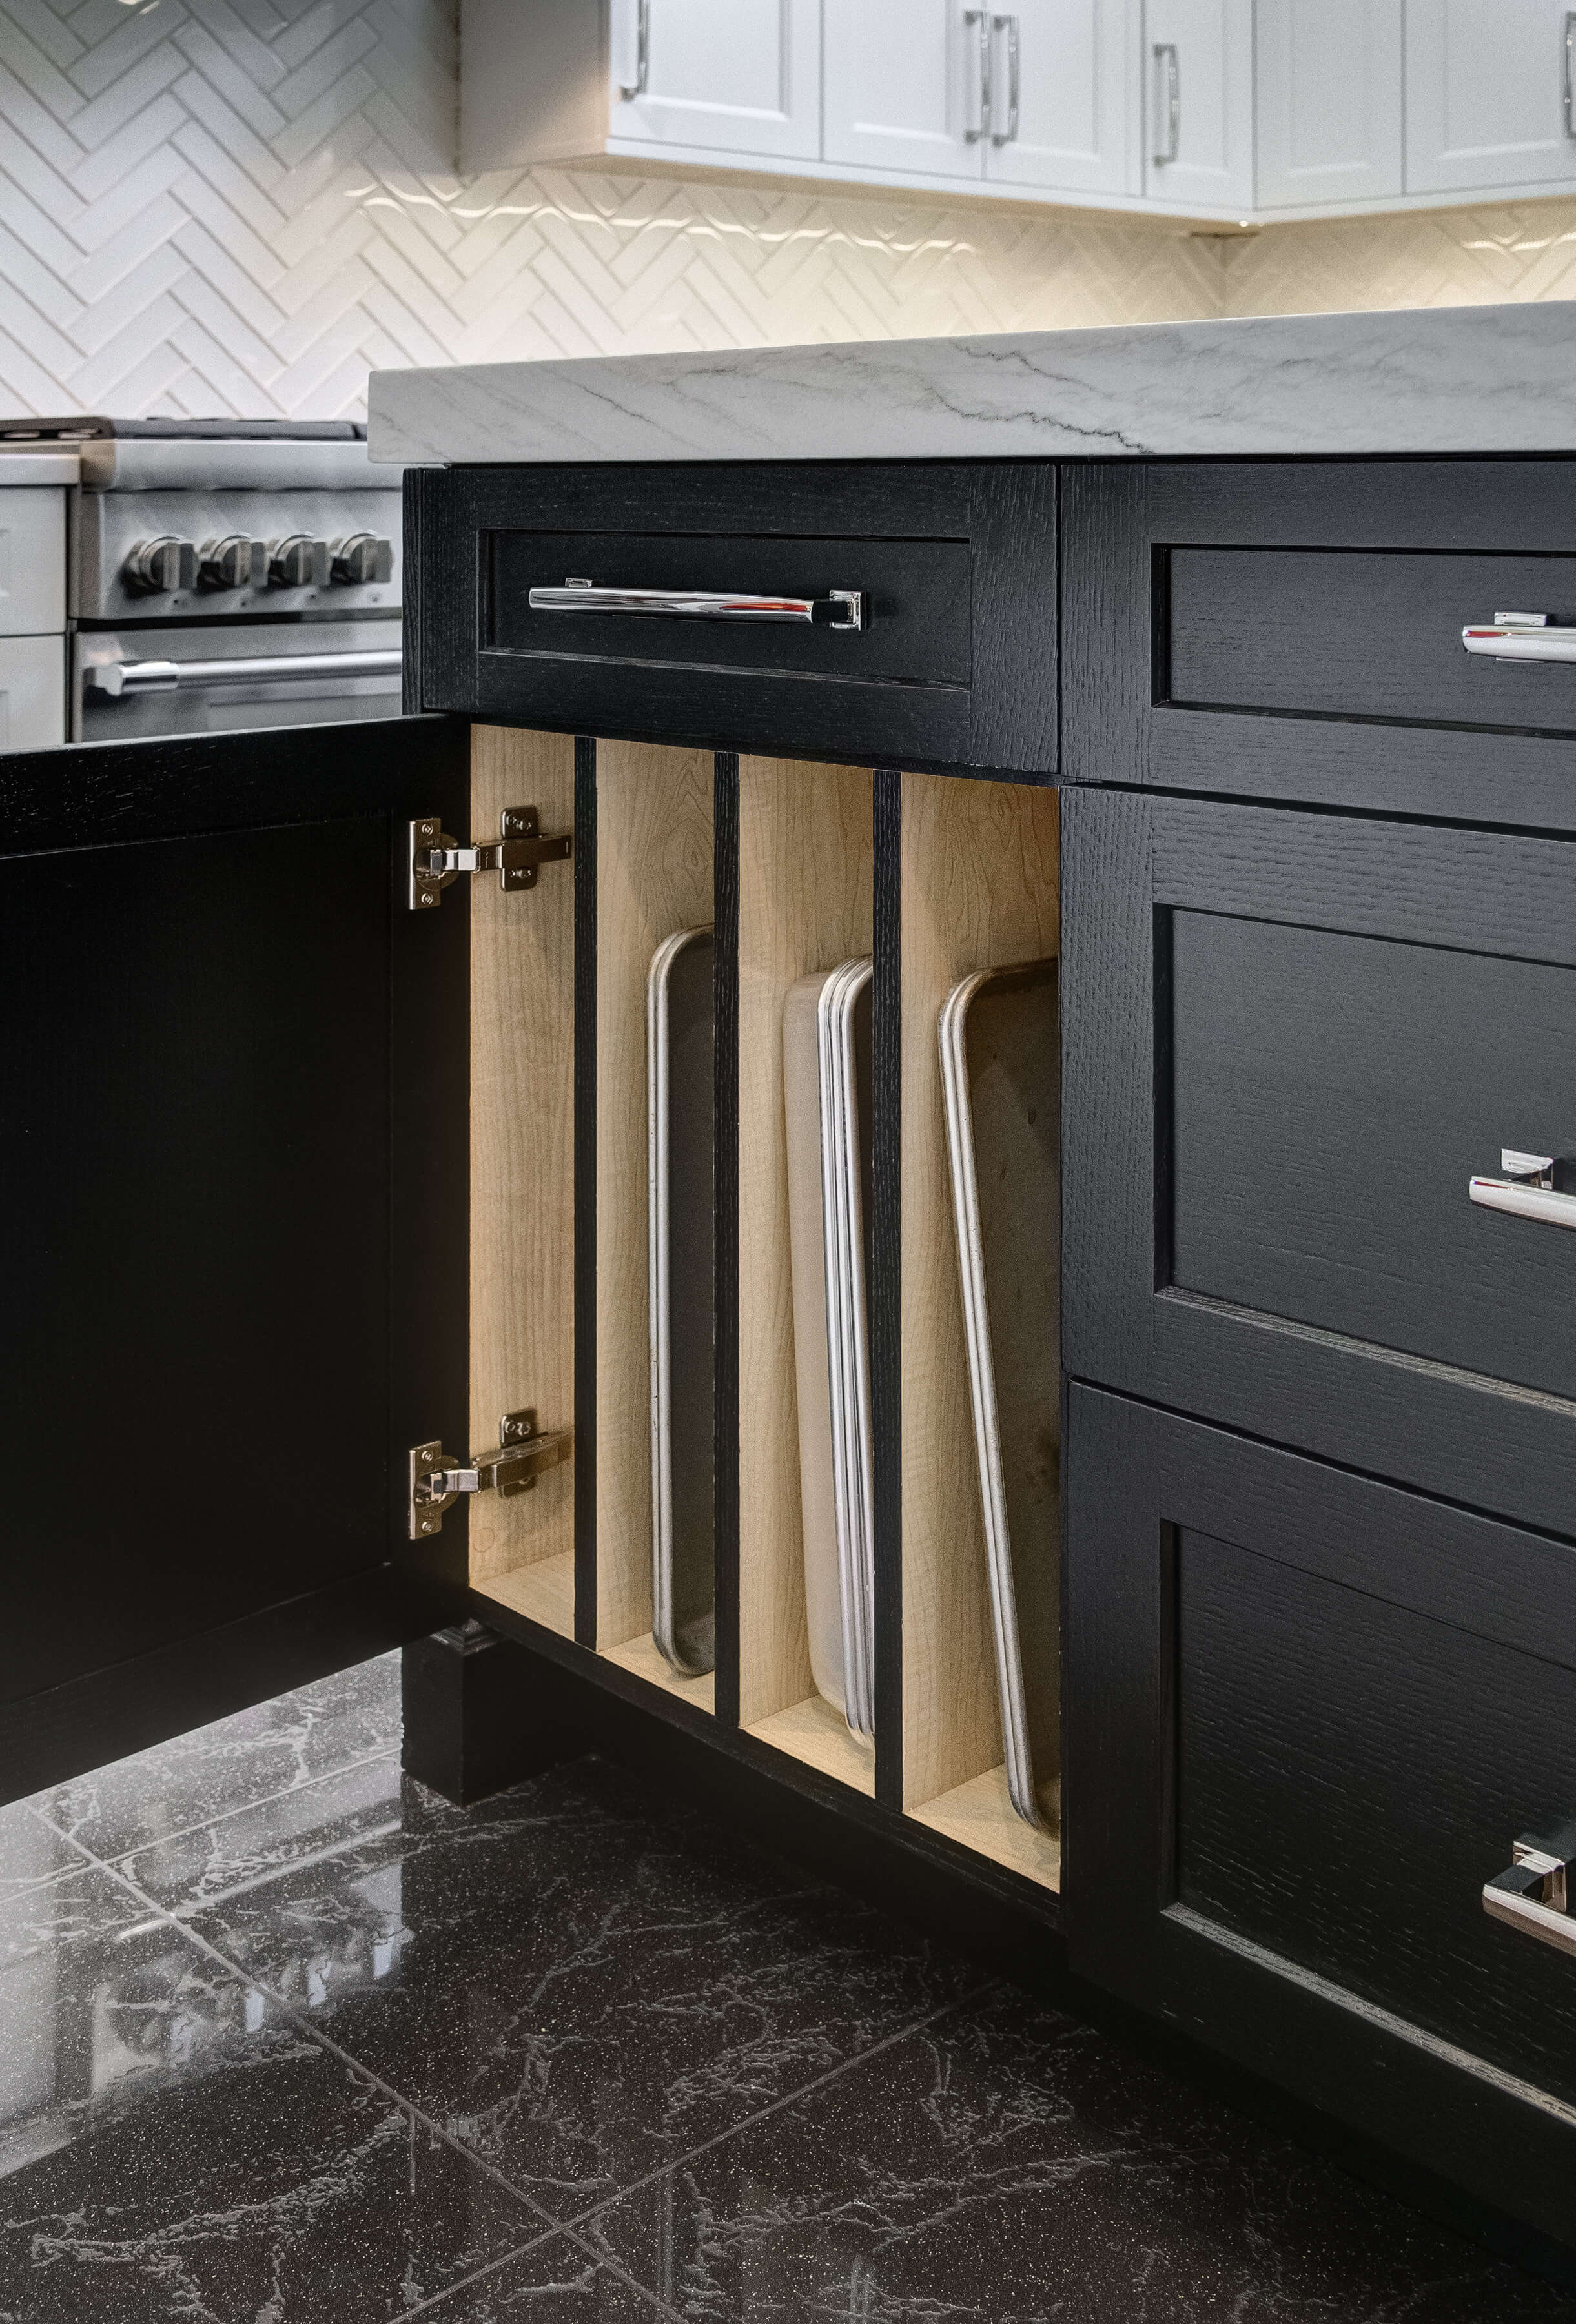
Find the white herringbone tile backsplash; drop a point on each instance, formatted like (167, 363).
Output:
(242, 205)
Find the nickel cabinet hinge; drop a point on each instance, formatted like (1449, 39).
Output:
(526, 1450)
(516, 854)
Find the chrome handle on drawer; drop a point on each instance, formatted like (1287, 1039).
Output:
(1520, 637)
(1534, 1895)
(839, 609)
(1526, 1190)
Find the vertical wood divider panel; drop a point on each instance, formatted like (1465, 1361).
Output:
(725, 1249)
(522, 1165)
(885, 1288)
(977, 888)
(654, 876)
(585, 1569)
(805, 903)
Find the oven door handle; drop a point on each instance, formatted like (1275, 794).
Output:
(120, 678)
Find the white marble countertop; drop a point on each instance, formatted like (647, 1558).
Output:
(1454, 379)
(40, 468)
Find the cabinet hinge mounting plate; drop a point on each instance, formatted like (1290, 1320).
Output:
(517, 855)
(523, 1453)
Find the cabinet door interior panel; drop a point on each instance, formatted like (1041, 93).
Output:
(1292, 630)
(1283, 1036)
(1198, 113)
(955, 665)
(235, 1086)
(1332, 1095)
(1307, 1716)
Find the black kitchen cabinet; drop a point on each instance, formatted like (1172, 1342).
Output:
(332, 1178)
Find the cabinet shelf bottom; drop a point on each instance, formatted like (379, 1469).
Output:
(979, 1816)
(543, 1592)
(643, 1656)
(811, 1730)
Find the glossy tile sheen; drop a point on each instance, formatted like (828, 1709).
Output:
(252, 1847)
(30, 1851)
(557, 2280)
(577, 1982)
(1005, 2166)
(276, 1747)
(172, 2146)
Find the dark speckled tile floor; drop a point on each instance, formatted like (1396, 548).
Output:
(286, 2040)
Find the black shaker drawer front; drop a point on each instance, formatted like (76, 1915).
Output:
(1360, 634)
(903, 616)
(1301, 1040)
(1294, 631)
(1322, 1713)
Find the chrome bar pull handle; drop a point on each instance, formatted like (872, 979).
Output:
(1533, 1895)
(1521, 637)
(839, 609)
(1165, 59)
(1009, 24)
(1568, 71)
(1526, 1191)
(629, 90)
(981, 18)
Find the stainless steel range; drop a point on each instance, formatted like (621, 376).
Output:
(225, 575)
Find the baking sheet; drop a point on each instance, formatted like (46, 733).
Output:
(680, 1114)
(1000, 1072)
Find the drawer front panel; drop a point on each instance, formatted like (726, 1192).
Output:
(1350, 1771)
(957, 564)
(1337, 635)
(1290, 1042)
(1307, 1717)
(1292, 630)
(1332, 1095)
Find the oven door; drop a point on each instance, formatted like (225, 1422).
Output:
(224, 677)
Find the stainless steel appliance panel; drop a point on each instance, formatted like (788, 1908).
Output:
(227, 677)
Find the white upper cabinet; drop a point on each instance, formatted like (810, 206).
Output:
(1064, 81)
(905, 85)
(728, 76)
(1489, 100)
(1198, 105)
(1329, 101)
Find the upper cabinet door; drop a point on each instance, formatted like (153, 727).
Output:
(906, 83)
(1329, 84)
(738, 76)
(1064, 96)
(1489, 99)
(1198, 105)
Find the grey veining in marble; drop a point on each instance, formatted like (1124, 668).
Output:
(1463, 379)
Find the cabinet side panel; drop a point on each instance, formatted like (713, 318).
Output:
(522, 1158)
(977, 888)
(653, 878)
(805, 903)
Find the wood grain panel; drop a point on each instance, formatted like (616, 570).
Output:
(813, 1733)
(654, 855)
(805, 895)
(522, 1152)
(980, 1814)
(977, 888)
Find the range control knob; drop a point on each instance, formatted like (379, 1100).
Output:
(232, 563)
(158, 566)
(362, 556)
(297, 562)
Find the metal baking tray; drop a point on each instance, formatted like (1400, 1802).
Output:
(1000, 1072)
(826, 1090)
(680, 1113)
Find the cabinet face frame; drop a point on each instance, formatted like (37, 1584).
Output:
(1134, 1476)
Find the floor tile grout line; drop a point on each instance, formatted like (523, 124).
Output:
(267, 1799)
(790, 2098)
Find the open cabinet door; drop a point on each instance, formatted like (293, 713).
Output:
(233, 1177)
